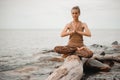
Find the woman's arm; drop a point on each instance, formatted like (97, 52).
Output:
(86, 31)
(65, 32)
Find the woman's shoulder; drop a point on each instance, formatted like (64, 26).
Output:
(83, 23)
(69, 24)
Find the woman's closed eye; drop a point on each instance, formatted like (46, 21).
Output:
(75, 13)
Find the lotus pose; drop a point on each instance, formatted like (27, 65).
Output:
(76, 29)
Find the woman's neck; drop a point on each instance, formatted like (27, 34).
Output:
(76, 20)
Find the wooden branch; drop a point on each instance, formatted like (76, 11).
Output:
(72, 69)
(115, 58)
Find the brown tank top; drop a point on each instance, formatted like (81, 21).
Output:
(76, 40)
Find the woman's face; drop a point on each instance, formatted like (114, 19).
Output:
(75, 13)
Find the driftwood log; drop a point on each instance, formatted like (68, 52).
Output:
(72, 68)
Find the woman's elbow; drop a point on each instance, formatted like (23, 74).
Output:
(89, 35)
(62, 35)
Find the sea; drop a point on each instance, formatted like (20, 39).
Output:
(30, 41)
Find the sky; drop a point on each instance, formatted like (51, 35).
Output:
(55, 14)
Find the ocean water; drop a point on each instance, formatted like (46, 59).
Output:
(32, 41)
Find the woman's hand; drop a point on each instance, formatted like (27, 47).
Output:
(72, 32)
(81, 48)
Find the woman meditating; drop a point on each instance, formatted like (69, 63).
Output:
(72, 68)
(76, 29)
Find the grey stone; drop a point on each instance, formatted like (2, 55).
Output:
(115, 43)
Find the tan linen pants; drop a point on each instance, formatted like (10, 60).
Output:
(67, 50)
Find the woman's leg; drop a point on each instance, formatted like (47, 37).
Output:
(65, 50)
(84, 52)
(65, 55)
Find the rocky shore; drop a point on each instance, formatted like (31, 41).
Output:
(39, 66)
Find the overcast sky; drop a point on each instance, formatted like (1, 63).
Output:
(53, 14)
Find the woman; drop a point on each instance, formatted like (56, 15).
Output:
(75, 30)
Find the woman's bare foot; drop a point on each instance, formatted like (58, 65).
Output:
(57, 59)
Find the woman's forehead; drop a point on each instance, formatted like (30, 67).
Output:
(75, 10)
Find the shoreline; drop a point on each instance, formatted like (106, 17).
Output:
(38, 66)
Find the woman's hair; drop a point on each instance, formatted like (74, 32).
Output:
(76, 7)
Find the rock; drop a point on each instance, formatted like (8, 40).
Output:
(113, 74)
(104, 76)
(96, 45)
(40, 65)
(115, 43)
(102, 53)
(97, 48)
